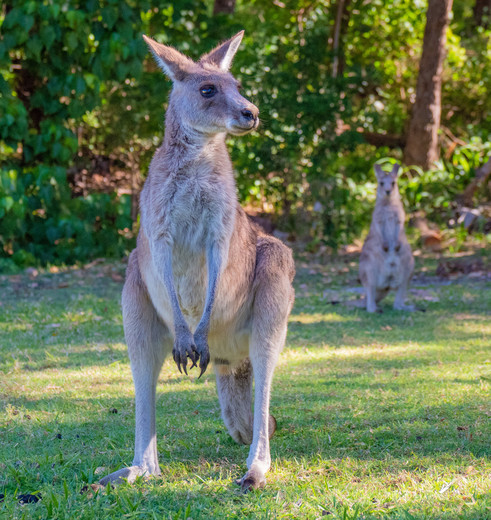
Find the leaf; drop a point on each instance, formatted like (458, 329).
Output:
(48, 36)
(109, 15)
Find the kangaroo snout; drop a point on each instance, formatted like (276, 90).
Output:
(250, 116)
(244, 120)
(247, 114)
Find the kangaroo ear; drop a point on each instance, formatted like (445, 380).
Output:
(223, 55)
(395, 170)
(379, 172)
(171, 61)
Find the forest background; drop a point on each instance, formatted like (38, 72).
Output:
(82, 111)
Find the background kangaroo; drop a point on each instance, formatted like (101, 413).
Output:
(386, 260)
(203, 281)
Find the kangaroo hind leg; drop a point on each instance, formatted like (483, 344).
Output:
(148, 341)
(272, 305)
(234, 387)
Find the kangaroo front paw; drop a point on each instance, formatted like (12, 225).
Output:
(129, 474)
(201, 341)
(253, 479)
(184, 348)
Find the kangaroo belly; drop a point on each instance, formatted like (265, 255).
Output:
(232, 301)
(390, 273)
(190, 282)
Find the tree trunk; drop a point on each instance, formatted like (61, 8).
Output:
(340, 26)
(224, 7)
(482, 8)
(422, 138)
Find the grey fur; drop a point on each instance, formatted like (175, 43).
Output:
(386, 260)
(203, 280)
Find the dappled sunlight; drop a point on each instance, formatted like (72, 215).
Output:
(6, 326)
(468, 326)
(307, 318)
(375, 350)
(416, 484)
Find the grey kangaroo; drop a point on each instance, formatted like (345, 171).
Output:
(386, 260)
(203, 282)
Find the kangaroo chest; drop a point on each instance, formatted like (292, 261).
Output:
(196, 210)
(388, 222)
(197, 214)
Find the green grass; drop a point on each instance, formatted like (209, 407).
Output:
(379, 416)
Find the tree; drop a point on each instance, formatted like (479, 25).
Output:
(422, 138)
(482, 9)
(340, 26)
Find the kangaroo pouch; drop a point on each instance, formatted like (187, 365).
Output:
(390, 273)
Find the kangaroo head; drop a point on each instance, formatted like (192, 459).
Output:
(387, 181)
(205, 96)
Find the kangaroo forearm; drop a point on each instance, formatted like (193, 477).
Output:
(214, 262)
(390, 233)
(162, 259)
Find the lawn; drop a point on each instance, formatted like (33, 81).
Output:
(379, 416)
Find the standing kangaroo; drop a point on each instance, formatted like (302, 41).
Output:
(203, 281)
(386, 260)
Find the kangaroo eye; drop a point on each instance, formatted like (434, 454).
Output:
(381, 183)
(392, 184)
(208, 91)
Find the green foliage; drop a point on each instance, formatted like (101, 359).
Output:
(54, 59)
(435, 191)
(77, 83)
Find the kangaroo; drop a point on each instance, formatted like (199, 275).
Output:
(204, 282)
(386, 260)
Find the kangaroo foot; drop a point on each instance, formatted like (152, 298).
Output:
(253, 479)
(129, 474)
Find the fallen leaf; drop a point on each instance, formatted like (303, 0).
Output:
(92, 487)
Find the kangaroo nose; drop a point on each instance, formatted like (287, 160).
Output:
(387, 191)
(247, 114)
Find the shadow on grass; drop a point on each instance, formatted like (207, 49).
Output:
(196, 454)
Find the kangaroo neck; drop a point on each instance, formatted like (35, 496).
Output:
(183, 145)
(393, 200)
